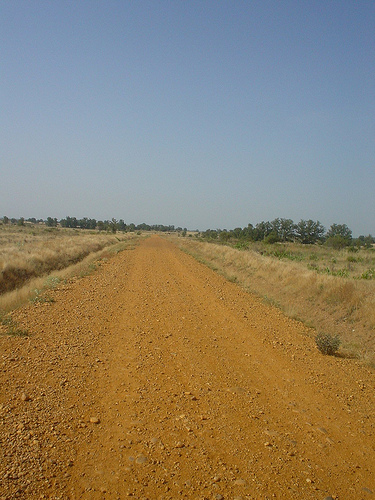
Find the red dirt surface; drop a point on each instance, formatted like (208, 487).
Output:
(154, 378)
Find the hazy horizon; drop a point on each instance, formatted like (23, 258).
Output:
(210, 114)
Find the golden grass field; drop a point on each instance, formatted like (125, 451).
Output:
(332, 291)
(28, 256)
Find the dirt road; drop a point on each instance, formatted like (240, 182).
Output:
(155, 378)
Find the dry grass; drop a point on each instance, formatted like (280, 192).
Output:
(324, 301)
(29, 255)
(345, 263)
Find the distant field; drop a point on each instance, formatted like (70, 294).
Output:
(332, 291)
(30, 252)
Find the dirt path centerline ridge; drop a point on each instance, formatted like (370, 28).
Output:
(154, 378)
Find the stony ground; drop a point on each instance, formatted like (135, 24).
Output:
(154, 378)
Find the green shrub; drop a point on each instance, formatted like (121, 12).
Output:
(271, 238)
(327, 344)
(368, 275)
(52, 282)
(337, 241)
(41, 298)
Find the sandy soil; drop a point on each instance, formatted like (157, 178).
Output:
(155, 378)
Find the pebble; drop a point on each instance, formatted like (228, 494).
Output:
(237, 390)
(240, 482)
(25, 397)
(94, 420)
(141, 459)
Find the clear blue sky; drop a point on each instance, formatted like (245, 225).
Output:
(203, 114)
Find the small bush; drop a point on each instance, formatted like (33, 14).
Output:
(327, 344)
(271, 238)
(52, 282)
(337, 242)
(41, 298)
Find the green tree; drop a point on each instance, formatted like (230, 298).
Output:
(121, 225)
(368, 241)
(224, 235)
(287, 230)
(337, 242)
(340, 230)
(309, 232)
(101, 225)
(82, 223)
(339, 236)
(248, 232)
(210, 234)
(113, 225)
(69, 222)
(283, 229)
(5, 220)
(50, 222)
(237, 233)
(262, 230)
(91, 224)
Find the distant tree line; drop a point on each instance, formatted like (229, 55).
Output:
(278, 230)
(285, 230)
(112, 225)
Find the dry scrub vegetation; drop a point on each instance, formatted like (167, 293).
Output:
(29, 254)
(329, 290)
